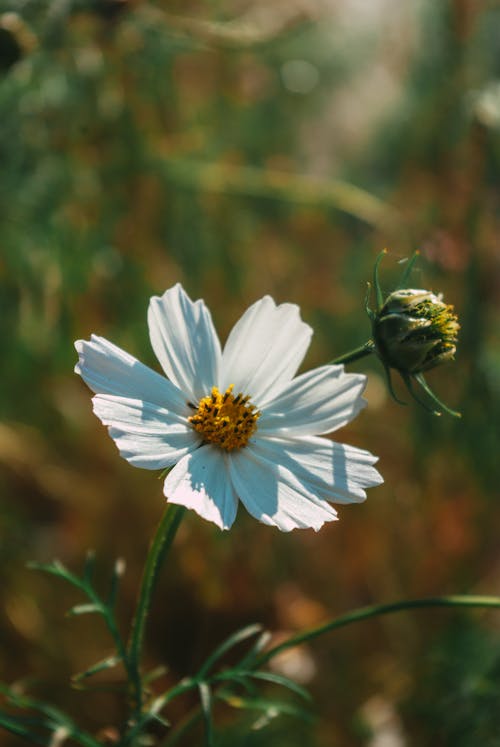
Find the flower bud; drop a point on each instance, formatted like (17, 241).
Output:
(415, 331)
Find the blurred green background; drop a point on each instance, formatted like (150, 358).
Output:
(244, 148)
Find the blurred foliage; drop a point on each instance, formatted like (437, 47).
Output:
(246, 148)
(458, 691)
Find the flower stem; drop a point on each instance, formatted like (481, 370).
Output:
(367, 349)
(364, 613)
(160, 545)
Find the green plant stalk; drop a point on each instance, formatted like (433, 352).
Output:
(158, 550)
(376, 610)
(353, 355)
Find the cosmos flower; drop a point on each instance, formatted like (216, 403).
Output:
(413, 330)
(234, 425)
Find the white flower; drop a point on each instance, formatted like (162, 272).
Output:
(235, 423)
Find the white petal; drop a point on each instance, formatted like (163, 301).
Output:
(201, 481)
(332, 471)
(107, 369)
(273, 494)
(185, 342)
(147, 436)
(315, 402)
(264, 349)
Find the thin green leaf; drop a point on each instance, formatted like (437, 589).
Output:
(96, 605)
(241, 635)
(56, 568)
(263, 721)
(268, 706)
(39, 722)
(14, 726)
(133, 735)
(239, 676)
(376, 610)
(54, 718)
(30, 720)
(154, 674)
(84, 609)
(58, 718)
(206, 707)
(100, 666)
(156, 706)
(162, 700)
(230, 675)
(259, 645)
(160, 720)
(279, 679)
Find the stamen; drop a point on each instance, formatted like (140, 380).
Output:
(218, 411)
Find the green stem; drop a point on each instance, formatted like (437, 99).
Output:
(364, 613)
(367, 349)
(160, 545)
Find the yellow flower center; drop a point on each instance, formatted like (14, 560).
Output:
(224, 419)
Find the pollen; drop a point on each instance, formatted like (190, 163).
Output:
(225, 419)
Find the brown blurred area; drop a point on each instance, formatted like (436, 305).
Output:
(245, 148)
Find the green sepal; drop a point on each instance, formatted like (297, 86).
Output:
(370, 313)
(403, 282)
(379, 298)
(388, 379)
(420, 378)
(411, 389)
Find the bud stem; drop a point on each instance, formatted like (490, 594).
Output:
(367, 349)
(376, 610)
